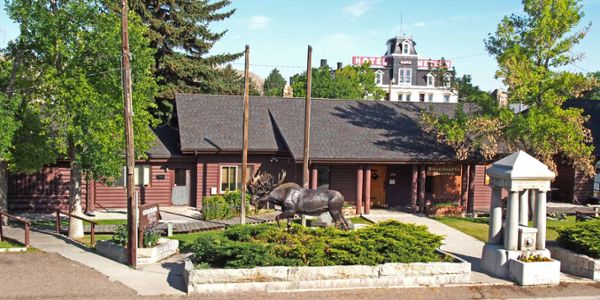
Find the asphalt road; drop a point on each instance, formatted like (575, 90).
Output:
(51, 276)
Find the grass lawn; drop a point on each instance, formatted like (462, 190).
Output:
(359, 220)
(478, 227)
(7, 244)
(111, 222)
(86, 240)
(186, 240)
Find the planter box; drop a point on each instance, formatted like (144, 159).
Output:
(534, 273)
(164, 249)
(576, 264)
(268, 279)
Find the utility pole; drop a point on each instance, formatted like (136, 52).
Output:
(245, 142)
(129, 153)
(305, 176)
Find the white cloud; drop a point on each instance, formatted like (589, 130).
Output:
(358, 8)
(420, 24)
(259, 23)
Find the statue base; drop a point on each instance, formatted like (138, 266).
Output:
(494, 259)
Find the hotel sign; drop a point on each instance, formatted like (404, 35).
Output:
(443, 171)
(378, 61)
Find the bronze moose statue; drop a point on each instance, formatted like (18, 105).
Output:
(296, 200)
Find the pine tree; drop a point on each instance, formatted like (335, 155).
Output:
(274, 84)
(180, 32)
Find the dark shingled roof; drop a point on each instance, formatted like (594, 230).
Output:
(591, 108)
(348, 130)
(166, 142)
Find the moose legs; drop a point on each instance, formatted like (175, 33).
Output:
(338, 218)
(286, 214)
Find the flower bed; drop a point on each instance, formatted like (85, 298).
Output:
(534, 271)
(247, 246)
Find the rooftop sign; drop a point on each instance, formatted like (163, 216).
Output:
(379, 61)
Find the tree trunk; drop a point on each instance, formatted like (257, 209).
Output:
(75, 225)
(4, 190)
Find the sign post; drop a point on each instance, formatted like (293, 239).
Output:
(149, 215)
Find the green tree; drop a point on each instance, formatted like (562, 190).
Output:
(530, 50)
(72, 68)
(594, 91)
(349, 82)
(9, 125)
(274, 84)
(180, 31)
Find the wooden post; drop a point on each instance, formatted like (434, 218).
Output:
(367, 189)
(305, 175)
(472, 179)
(314, 177)
(414, 188)
(464, 186)
(359, 189)
(58, 221)
(27, 234)
(129, 153)
(92, 234)
(245, 133)
(422, 178)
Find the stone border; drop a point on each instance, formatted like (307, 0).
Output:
(576, 264)
(16, 249)
(264, 279)
(164, 249)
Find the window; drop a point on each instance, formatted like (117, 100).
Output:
(378, 77)
(446, 98)
(141, 175)
(400, 97)
(404, 76)
(422, 97)
(430, 80)
(430, 97)
(180, 177)
(322, 177)
(447, 80)
(231, 177)
(405, 48)
(596, 191)
(407, 97)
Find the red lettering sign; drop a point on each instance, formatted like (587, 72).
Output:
(378, 61)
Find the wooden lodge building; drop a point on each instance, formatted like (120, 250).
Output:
(373, 152)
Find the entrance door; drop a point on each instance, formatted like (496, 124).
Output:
(378, 174)
(181, 188)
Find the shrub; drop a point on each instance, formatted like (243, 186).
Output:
(223, 207)
(583, 238)
(246, 246)
(151, 236)
(120, 236)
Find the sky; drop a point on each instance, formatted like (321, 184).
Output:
(279, 31)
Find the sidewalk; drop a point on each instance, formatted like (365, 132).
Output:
(455, 242)
(164, 278)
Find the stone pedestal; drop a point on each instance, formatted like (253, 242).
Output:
(495, 259)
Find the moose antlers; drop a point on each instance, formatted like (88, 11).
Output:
(264, 180)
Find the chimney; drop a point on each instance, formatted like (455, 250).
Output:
(323, 63)
(501, 97)
(339, 65)
(291, 80)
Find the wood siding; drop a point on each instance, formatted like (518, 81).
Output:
(483, 193)
(342, 178)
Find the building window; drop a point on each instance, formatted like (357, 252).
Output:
(446, 98)
(407, 97)
(430, 97)
(422, 97)
(447, 80)
(596, 191)
(430, 80)
(323, 177)
(180, 177)
(378, 77)
(400, 97)
(141, 175)
(404, 76)
(231, 177)
(405, 48)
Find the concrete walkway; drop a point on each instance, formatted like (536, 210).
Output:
(164, 278)
(455, 242)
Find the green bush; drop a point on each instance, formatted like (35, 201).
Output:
(120, 235)
(246, 246)
(223, 207)
(583, 237)
(151, 236)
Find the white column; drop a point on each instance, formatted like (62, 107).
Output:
(512, 221)
(532, 193)
(523, 208)
(495, 230)
(540, 217)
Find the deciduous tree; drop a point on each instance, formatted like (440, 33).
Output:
(530, 49)
(274, 84)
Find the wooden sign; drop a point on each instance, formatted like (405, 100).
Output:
(443, 171)
(149, 215)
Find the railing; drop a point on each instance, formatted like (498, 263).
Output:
(92, 223)
(18, 219)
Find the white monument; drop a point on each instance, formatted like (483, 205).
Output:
(523, 177)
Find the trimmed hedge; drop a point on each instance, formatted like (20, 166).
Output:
(247, 246)
(223, 207)
(583, 238)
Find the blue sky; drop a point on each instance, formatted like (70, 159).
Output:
(278, 32)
